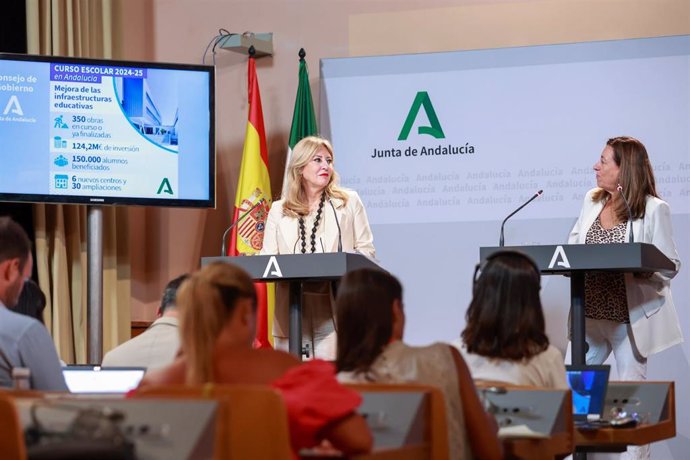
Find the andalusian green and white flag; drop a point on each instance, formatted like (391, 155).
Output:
(304, 117)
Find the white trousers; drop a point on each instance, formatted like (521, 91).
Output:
(603, 338)
(318, 321)
(321, 348)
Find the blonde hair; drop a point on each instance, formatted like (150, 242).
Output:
(295, 202)
(206, 301)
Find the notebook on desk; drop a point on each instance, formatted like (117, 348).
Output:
(97, 379)
(588, 385)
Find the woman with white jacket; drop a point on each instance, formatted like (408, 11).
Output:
(631, 315)
(314, 215)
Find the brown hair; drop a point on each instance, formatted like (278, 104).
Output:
(636, 176)
(170, 293)
(14, 242)
(295, 202)
(206, 301)
(505, 318)
(364, 317)
(32, 301)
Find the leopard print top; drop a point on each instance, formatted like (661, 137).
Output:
(605, 296)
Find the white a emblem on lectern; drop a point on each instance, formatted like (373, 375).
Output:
(559, 253)
(272, 262)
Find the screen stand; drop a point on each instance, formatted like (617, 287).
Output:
(94, 284)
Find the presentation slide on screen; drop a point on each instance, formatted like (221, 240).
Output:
(104, 131)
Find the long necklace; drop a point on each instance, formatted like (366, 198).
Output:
(303, 231)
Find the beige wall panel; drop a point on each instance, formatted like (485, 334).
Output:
(496, 25)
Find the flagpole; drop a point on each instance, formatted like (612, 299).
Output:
(254, 186)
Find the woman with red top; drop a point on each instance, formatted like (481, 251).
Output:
(217, 308)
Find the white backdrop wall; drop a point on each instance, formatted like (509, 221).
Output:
(513, 121)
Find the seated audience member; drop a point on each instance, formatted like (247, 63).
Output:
(159, 344)
(504, 338)
(24, 342)
(370, 319)
(217, 311)
(32, 301)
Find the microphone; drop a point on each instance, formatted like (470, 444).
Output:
(631, 239)
(500, 240)
(340, 235)
(223, 246)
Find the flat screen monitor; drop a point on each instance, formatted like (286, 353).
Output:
(588, 384)
(96, 379)
(106, 132)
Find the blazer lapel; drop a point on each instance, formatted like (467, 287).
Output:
(589, 220)
(288, 234)
(330, 229)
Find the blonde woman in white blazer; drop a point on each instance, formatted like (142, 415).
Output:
(304, 222)
(652, 323)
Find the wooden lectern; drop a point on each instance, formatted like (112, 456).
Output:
(577, 259)
(295, 269)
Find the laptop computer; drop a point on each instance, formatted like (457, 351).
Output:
(588, 385)
(97, 379)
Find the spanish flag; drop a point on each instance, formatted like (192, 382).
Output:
(254, 186)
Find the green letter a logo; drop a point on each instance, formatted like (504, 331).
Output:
(422, 100)
(165, 187)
